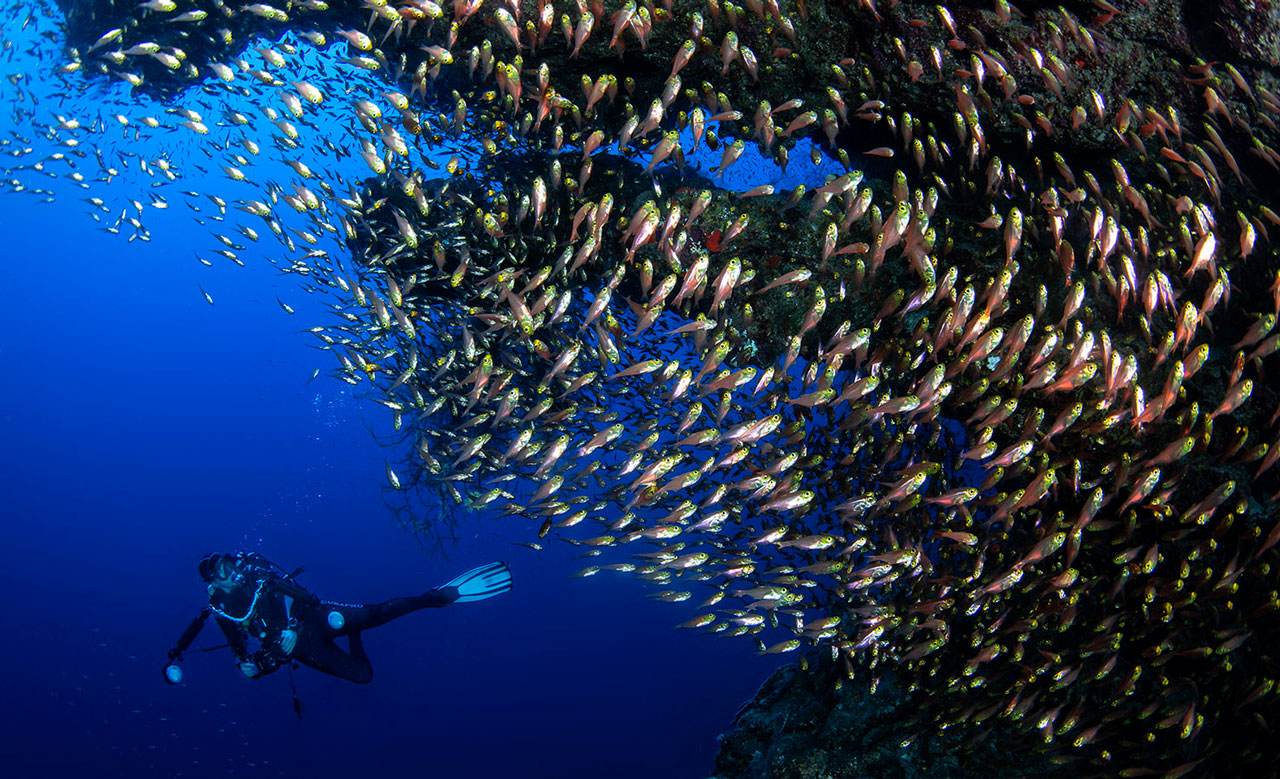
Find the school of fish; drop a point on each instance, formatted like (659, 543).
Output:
(994, 409)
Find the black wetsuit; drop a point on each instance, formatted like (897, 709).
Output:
(282, 604)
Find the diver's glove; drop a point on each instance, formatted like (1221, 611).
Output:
(288, 640)
(249, 668)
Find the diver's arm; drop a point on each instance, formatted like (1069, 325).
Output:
(254, 665)
(188, 636)
(235, 639)
(285, 593)
(291, 590)
(173, 671)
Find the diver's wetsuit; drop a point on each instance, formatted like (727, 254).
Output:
(315, 637)
(283, 604)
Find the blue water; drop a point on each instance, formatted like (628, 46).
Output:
(143, 428)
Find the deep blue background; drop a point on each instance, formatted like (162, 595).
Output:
(142, 428)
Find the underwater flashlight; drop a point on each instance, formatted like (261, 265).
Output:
(173, 673)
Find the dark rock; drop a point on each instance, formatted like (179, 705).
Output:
(1252, 29)
(797, 727)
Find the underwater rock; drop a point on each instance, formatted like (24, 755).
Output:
(797, 728)
(1252, 29)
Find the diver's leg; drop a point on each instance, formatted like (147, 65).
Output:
(325, 656)
(479, 583)
(352, 618)
(355, 648)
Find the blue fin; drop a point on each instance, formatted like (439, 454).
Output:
(482, 583)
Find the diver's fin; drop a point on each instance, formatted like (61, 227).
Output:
(481, 583)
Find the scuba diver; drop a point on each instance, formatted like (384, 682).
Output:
(253, 599)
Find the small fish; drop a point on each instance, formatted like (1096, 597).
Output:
(1236, 396)
(812, 542)
(702, 620)
(793, 277)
